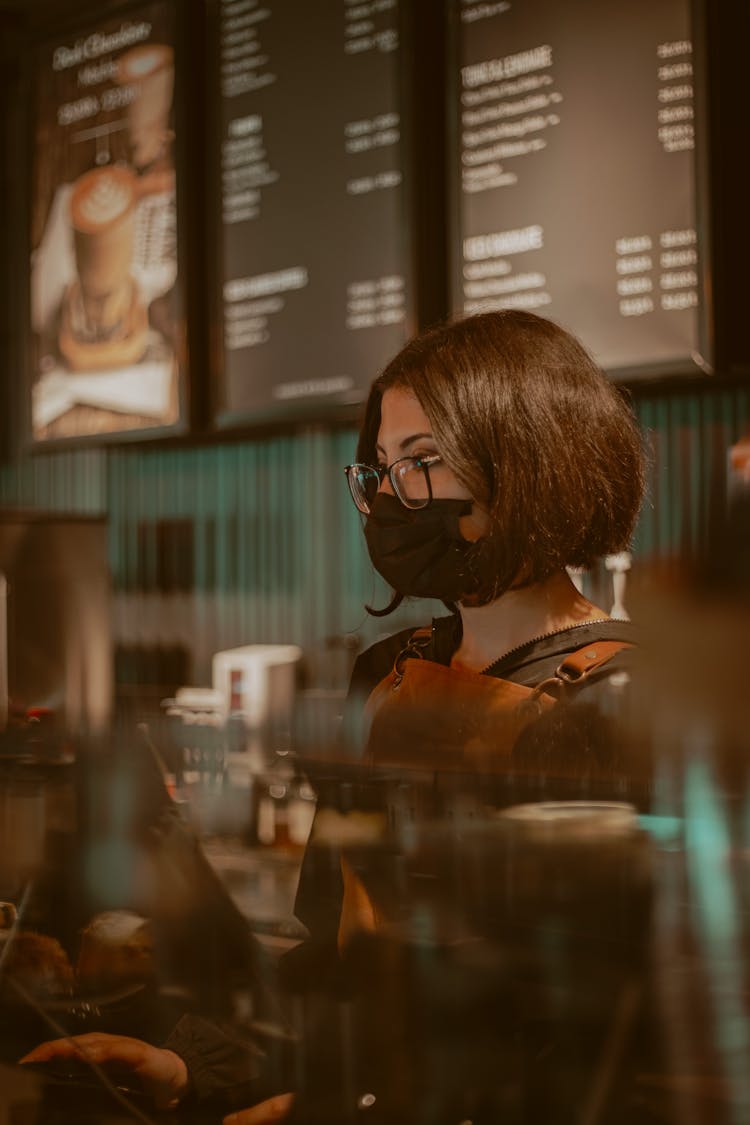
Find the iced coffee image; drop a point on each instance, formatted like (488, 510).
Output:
(104, 323)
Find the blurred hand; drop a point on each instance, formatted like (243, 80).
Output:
(162, 1073)
(265, 1113)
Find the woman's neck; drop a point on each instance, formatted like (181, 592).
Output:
(518, 616)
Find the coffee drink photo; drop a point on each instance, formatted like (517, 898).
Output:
(103, 321)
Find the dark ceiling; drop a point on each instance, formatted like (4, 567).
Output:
(60, 11)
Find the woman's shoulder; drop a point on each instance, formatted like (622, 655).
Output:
(376, 661)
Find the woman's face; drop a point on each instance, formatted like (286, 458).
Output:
(405, 431)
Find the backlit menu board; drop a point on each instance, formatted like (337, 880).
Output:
(106, 318)
(575, 169)
(314, 281)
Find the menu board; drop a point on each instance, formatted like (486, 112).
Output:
(576, 188)
(105, 304)
(316, 293)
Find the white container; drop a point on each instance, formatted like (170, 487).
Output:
(258, 681)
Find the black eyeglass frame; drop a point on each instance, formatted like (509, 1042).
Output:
(383, 471)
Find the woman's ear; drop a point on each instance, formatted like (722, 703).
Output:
(474, 526)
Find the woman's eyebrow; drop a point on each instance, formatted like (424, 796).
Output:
(407, 441)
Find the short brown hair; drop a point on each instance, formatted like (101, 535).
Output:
(533, 429)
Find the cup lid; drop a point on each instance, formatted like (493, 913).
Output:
(572, 819)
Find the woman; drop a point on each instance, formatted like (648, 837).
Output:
(493, 455)
(500, 456)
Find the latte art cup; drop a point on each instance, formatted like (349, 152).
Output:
(102, 212)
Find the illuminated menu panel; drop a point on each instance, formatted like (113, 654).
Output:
(315, 286)
(106, 318)
(577, 172)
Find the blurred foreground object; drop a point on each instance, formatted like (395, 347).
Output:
(41, 965)
(59, 646)
(117, 948)
(503, 978)
(691, 706)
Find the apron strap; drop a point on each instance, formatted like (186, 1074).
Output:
(577, 666)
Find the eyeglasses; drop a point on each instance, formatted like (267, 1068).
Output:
(409, 477)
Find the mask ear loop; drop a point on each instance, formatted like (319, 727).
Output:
(393, 604)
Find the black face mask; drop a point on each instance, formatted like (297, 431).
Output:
(421, 553)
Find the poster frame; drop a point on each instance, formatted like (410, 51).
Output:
(288, 416)
(701, 362)
(72, 25)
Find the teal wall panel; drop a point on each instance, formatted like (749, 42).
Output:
(258, 542)
(276, 544)
(72, 481)
(688, 437)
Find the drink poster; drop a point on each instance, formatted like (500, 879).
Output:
(576, 174)
(105, 305)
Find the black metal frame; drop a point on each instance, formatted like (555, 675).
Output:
(692, 368)
(295, 415)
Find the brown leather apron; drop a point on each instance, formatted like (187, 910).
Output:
(425, 715)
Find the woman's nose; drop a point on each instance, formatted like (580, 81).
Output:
(386, 486)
